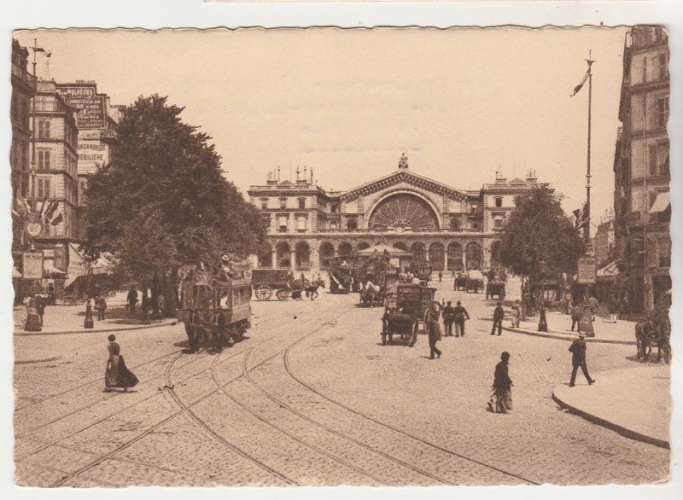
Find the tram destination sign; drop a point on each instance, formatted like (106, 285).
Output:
(586, 270)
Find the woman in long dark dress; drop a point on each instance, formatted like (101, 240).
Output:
(117, 373)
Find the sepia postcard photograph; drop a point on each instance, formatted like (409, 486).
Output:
(340, 257)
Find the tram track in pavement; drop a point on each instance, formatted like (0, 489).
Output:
(89, 382)
(281, 429)
(362, 415)
(184, 408)
(21, 408)
(113, 414)
(27, 434)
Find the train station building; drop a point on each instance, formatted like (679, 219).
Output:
(453, 229)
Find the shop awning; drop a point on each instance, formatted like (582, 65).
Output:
(50, 271)
(661, 203)
(610, 270)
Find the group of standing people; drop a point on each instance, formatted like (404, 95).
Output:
(583, 316)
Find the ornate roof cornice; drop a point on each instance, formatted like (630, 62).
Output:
(407, 177)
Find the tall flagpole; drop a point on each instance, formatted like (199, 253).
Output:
(586, 228)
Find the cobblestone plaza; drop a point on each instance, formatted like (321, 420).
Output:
(311, 397)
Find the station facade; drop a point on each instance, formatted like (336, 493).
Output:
(451, 228)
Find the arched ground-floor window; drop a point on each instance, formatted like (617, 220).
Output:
(302, 256)
(345, 249)
(326, 253)
(454, 256)
(283, 255)
(436, 256)
(473, 256)
(419, 251)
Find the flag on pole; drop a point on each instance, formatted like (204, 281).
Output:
(583, 81)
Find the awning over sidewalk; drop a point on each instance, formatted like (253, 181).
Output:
(661, 203)
(51, 271)
(608, 271)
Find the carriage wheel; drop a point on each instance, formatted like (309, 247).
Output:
(282, 294)
(263, 292)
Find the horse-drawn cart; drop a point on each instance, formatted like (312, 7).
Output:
(265, 282)
(475, 281)
(460, 281)
(404, 313)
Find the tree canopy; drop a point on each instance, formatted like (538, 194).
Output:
(163, 201)
(539, 239)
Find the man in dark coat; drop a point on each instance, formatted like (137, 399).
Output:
(578, 350)
(502, 387)
(448, 318)
(460, 315)
(132, 299)
(498, 315)
(431, 320)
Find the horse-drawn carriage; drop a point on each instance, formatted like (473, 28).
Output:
(460, 281)
(375, 288)
(265, 282)
(655, 331)
(404, 313)
(341, 275)
(474, 281)
(495, 283)
(215, 307)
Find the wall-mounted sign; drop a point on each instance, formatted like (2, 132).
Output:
(33, 265)
(586, 271)
(33, 226)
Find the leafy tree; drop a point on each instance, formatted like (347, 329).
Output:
(162, 201)
(539, 240)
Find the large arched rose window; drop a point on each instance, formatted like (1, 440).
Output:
(403, 212)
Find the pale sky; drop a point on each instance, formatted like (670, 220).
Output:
(461, 102)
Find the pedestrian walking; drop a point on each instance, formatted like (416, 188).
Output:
(516, 313)
(100, 306)
(117, 373)
(460, 315)
(431, 320)
(498, 315)
(501, 398)
(578, 350)
(440, 276)
(132, 299)
(448, 318)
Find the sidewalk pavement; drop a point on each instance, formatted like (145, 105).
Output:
(60, 319)
(635, 402)
(559, 324)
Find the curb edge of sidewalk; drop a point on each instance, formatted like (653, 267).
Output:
(104, 330)
(629, 433)
(567, 338)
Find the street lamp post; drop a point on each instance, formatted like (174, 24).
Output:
(542, 322)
